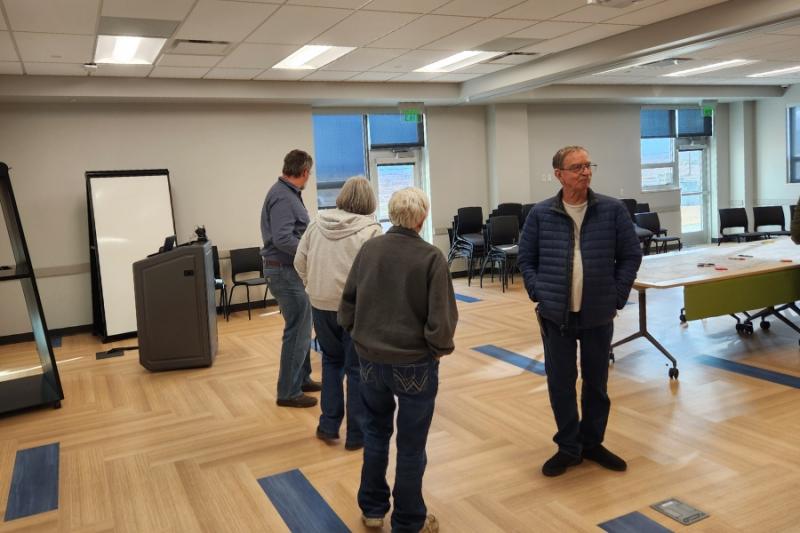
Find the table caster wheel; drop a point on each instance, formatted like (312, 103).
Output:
(682, 317)
(739, 328)
(611, 357)
(673, 373)
(765, 324)
(748, 329)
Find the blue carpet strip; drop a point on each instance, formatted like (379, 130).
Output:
(34, 483)
(751, 371)
(633, 523)
(467, 299)
(300, 505)
(521, 361)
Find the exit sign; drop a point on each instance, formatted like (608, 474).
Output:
(412, 115)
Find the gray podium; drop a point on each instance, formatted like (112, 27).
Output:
(175, 313)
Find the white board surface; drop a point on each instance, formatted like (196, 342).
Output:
(132, 216)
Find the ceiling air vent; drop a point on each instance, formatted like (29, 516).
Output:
(200, 47)
(620, 4)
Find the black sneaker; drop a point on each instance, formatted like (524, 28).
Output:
(557, 465)
(327, 437)
(300, 401)
(353, 446)
(312, 386)
(600, 455)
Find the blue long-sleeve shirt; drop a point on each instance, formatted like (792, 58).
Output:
(284, 219)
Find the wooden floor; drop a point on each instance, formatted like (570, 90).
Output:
(181, 451)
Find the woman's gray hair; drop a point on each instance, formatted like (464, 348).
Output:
(408, 207)
(357, 196)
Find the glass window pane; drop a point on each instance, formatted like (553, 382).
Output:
(656, 177)
(795, 168)
(392, 178)
(655, 151)
(794, 131)
(338, 147)
(393, 130)
(657, 123)
(691, 213)
(691, 123)
(690, 170)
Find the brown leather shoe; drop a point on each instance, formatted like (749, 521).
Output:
(312, 386)
(300, 401)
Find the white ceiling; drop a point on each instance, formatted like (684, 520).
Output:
(393, 38)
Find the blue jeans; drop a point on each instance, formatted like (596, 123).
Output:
(415, 386)
(339, 358)
(287, 288)
(574, 433)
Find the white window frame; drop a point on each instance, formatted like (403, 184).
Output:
(674, 185)
(792, 159)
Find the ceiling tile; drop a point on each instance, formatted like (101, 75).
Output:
(417, 76)
(53, 16)
(364, 59)
(261, 56)
(55, 69)
(541, 9)
(178, 60)
(363, 27)
(148, 9)
(178, 72)
(405, 6)
(48, 48)
(349, 4)
(475, 8)
(10, 67)
(7, 52)
(549, 30)
(2, 22)
(122, 71)
(514, 59)
(483, 68)
(596, 13)
(788, 30)
(224, 21)
(587, 35)
(374, 76)
(297, 24)
(330, 75)
(233, 73)
(411, 61)
(471, 37)
(424, 30)
(455, 77)
(282, 74)
(662, 11)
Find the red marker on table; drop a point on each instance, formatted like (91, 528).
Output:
(786, 260)
(720, 268)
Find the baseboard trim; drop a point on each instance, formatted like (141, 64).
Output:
(60, 332)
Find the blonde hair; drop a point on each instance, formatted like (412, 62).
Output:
(357, 196)
(408, 207)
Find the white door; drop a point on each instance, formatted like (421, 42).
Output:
(693, 179)
(389, 173)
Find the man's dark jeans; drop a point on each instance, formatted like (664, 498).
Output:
(560, 353)
(415, 385)
(339, 359)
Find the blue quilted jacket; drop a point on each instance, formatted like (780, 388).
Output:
(609, 248)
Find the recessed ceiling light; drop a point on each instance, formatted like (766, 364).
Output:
(459, 60)
(709, 68)
(313, 56)
(127, 50)
(778, 72)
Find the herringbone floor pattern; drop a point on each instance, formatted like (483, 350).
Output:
(181, 451)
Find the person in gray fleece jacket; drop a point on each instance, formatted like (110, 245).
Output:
(323, 260)
(399, 307)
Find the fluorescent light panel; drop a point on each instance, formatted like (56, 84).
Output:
(313, 56)
(780, 71)
(127, 50)
(458, 61)
(709, 68)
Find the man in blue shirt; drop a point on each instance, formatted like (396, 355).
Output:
(283, 221)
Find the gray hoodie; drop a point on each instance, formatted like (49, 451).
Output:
(326, 253)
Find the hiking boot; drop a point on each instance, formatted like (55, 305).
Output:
(557, 465)
(600, 455)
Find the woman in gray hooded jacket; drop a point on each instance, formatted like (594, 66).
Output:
(323, 260)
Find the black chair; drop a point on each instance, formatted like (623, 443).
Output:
(244, 261)
(467, 241)
(770, 216)
(219, 283)
(643, 207)
(650, 222)
(736, 218)
(642, 234)
(508, 209)
(502, 234)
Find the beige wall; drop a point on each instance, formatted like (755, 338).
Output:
(772, 187)
(221, 158)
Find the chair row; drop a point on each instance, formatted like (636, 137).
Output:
(735, 218)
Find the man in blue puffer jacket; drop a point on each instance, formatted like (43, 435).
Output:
(579, 255)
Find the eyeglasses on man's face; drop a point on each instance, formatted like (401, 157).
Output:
(581, 167)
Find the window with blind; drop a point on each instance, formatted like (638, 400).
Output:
(794, 144)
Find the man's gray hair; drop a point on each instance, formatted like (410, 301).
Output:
(561, 155)
(357, 196)
(408, 207)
